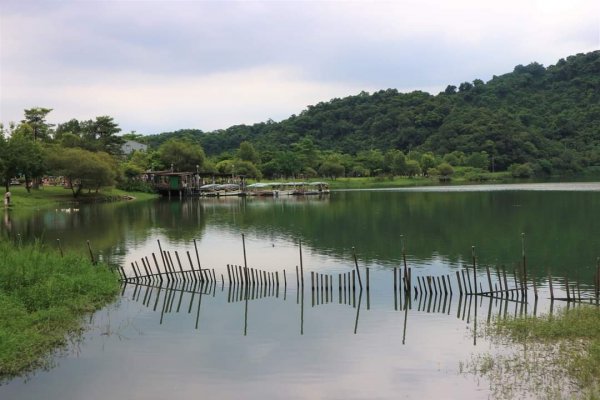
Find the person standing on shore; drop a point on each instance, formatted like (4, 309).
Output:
(7, 199)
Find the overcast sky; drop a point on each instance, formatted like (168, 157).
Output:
(165, 65)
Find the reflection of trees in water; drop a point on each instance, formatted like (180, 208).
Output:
(111, 227)
(558, 226)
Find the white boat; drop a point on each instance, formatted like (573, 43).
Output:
(208, 190)
(261, 189)
(312, 188)
(228, 189)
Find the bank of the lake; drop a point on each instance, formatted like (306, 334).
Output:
(461, 177)
(48, 196)
(43, 298)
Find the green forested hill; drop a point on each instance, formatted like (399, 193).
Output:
(549, 117)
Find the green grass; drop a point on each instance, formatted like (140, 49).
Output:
(48, 196)
(558, 355)
(43, 298)
(576, 331)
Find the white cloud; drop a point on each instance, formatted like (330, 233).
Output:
(157, 65)
(146, 102)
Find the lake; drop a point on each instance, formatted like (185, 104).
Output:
(220, 340)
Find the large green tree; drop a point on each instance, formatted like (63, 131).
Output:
(181, 155)
(36, 119)
(82, 168)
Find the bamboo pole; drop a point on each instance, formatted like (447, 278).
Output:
(198, 259)
(489, 276)
(524, 264)
(244, 246)
(301, 265)
(357, 271)
(474, 269)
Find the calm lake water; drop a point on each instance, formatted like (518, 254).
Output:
(184, 340)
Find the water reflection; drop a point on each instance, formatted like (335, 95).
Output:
(172, 298)
(437, 226)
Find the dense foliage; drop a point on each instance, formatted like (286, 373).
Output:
(546, 117)
(532, 121)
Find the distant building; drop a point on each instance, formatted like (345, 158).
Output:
(130, 146)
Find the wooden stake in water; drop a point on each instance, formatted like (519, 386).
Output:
(162, 254)
(357, 271)
(157, 268)
(198, 259)
(489, 276)
(60, 248)
(91, 253)
(524, 264)
(301, 265)
(244, 245)
(597, 278)
(403, 254)
(550, 286)
(459, 285)
(474, 269)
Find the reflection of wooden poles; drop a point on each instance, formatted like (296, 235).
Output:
(302, 312)
(459, 284)
(395, 288)
(357, 311)
(245, 295)
(405, 319)
(368, 294)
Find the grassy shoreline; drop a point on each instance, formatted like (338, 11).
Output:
(49, 196)
(403, 181)
(556, 356)
(43, 298)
